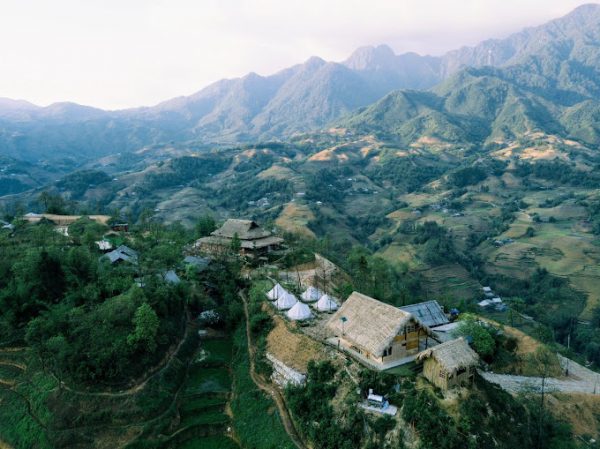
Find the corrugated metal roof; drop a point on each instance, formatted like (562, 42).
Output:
(429, 313)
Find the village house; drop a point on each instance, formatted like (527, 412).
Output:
(254, 240)
(122, 254)
(450, 364)
(377, 334)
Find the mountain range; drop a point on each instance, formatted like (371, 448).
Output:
(545, 78)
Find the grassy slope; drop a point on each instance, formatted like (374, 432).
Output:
(256, 421)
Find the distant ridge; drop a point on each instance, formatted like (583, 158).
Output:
(557, 62)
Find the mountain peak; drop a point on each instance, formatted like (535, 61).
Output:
(314, 62)
(586, 9)
(371, 58)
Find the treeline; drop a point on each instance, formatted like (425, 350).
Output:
(559, 172)
(183, 170)
(80, 181)
(235, 194)
(88, 319)
(407, 173)
(490, 418)
(367, 272)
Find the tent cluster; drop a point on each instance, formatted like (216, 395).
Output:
(298, 310)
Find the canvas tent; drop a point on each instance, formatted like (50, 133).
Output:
(326, 304)
(312, 294)
(276, 292)
(285, 302)
(300, 311)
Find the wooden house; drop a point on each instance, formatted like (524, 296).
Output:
(122, 254)
(377, 332)
(254, 240)
(450, 364)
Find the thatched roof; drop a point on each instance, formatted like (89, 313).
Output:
(370, 324)
(246, 244)
(245, 230)
(429, 313)
(452, 355)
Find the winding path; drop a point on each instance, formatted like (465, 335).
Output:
(140, 384)
(267, 387)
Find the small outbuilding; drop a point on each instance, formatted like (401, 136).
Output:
(449, 364)
(122, 254)
(104, 245)
(199, 264)
(170, 277)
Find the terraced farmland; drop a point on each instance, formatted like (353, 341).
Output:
(203, 421)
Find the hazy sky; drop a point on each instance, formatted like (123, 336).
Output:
(125, 53)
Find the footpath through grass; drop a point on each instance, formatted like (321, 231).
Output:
(256, 421)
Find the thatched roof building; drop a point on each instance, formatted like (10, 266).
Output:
(449, 364)
(375, 330)
(254, 240)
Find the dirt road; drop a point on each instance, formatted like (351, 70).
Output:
(580, 380)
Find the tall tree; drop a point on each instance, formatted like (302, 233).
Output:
(146, 325)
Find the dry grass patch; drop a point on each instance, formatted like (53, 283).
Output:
(277, 172)
(582, 411)
(292, 347)
(295, 218)
(401, 215)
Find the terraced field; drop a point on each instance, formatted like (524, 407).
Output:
(22, 412)
(204, 423)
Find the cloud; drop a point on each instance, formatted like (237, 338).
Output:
(117, 54)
